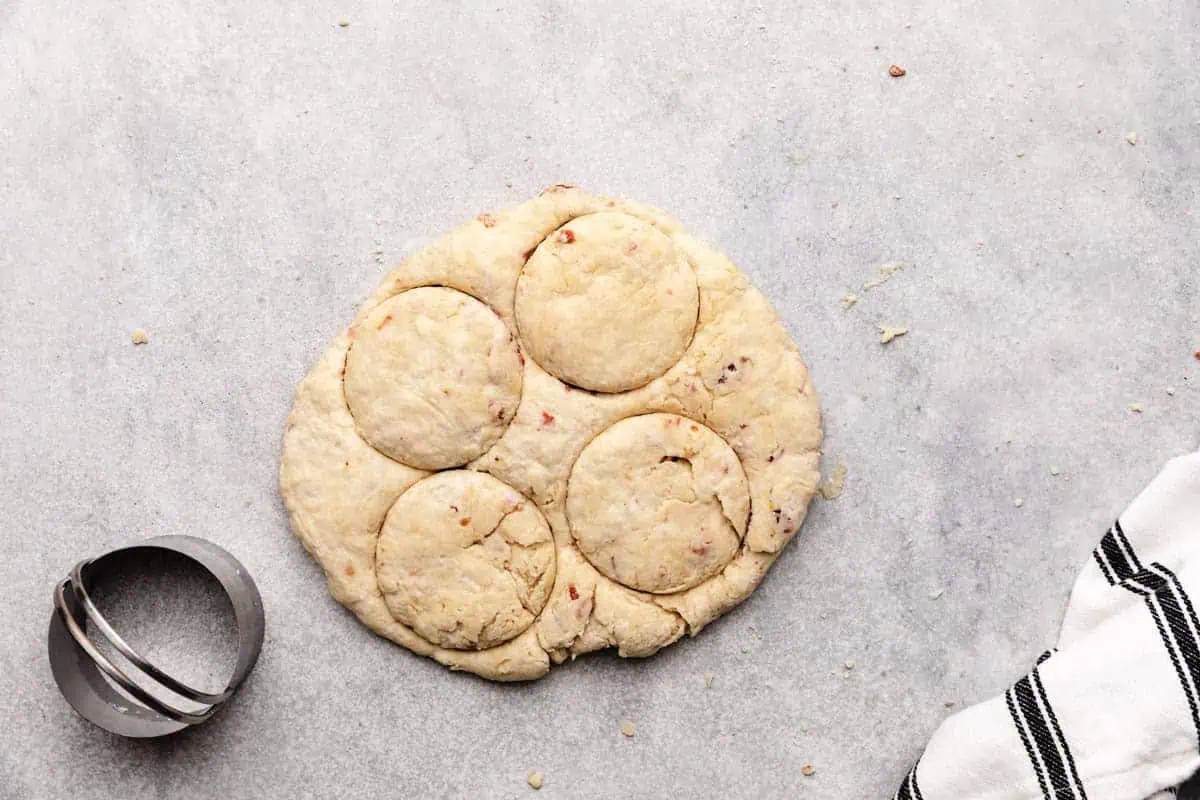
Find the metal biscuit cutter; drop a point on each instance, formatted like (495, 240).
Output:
(80, 669)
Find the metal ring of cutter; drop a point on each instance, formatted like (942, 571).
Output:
(80, 669)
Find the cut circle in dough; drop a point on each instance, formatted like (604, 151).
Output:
(607, 302)
(433, 378)
(464, 560)
(658, 503)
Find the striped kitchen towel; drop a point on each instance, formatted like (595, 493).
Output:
(1113, 712)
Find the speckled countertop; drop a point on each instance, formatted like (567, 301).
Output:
(234, 178)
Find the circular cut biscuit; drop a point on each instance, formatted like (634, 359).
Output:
(658, 503)
(607, 302)
(464, 560)
(433, 378)
(626, 516)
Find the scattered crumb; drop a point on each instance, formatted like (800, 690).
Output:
(1020, 154)
(935, 594)
(832, 488)
(850, 664)
(1136, 408)
(849, 300)
(1197, 355)
(897, 71)
(949, 704)
(886, 271)
(808, 770)
(536, 780)
(1054, 470)
(708, 679)
(1018, 501)
(140, 337)
(1080, 85)
(797, 158)
(1171, 391)
(343, 23)
(887, 334)
(1131, 138)
(627, 728)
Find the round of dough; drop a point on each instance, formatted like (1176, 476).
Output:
(433, 378)
(658, 503)
(607, 302)
(464, 560)
(618, 517)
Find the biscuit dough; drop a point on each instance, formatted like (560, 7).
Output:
(433, 378)
(610, 274)
(658, 503)
(628, 431)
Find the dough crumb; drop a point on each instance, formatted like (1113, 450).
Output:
(949, 704)
(897, 71)
(343, 23)
(1018, 501)
(849, 300)
(832, 488)
(536, 780)
(1020, 154)
(887, 334)
(808, 770)
(140, 337)
(1131, 138)
(627, 728)
(886, 271)
(850, 664)
(1171, 391)
(935, 594)
(1054, 470)
(708, 679)
(1136, 408)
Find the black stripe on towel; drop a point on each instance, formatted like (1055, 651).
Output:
(1047, 740)
(909, 790)
(1056, 730)
(1169, 605)
(1018, 719)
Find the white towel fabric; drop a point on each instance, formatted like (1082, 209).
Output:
(1113, 713)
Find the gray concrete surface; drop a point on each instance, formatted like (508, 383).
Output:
(223, 175)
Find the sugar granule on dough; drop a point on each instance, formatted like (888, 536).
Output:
(887, 334)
